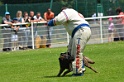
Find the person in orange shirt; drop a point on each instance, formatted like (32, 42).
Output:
(48, 15)
(120, 25)
(120, 17)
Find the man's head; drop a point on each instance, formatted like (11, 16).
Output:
(63, 8)
(19, 14)
(7, 15)
(15, 20)
(118, 10)
(38, 14)
(25, 14)
(48, 10)
(31, 13)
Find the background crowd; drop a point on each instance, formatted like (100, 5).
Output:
(20, 37)
(16, 40)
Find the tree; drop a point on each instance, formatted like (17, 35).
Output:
(1, 3)
(23, 1)
(67, 3)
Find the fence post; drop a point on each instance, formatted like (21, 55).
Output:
(32, 35)
(51, 3)
(6, 7)
(76, 5)
(101, 33)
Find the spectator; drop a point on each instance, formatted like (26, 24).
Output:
(14, 37)
(6, 32)
(26, 17)
(120, 18)
(21, 32)
(110, 30)
(48, 15)
(31, 17)
(94, 17)
(120, 22)
(38, 17)
(27, 30)
(19, 17)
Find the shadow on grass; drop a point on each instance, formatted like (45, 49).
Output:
(57, 76)
(69, 75)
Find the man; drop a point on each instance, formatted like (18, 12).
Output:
(48, 16)
(6, 32)
(31, 17)
(80, 33)
(120, 26)
(38, 17)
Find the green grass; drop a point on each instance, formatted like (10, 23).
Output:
(41, 65)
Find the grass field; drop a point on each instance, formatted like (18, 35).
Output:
(41, 65)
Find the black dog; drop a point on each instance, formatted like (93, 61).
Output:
(65, 61)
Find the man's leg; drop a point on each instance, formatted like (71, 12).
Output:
(81, 37)
(77, 64)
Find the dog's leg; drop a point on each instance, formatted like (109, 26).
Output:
(66, 72)
(60, 72)
(87, 65)
(89, 60)
(69, 69)
(92, 69)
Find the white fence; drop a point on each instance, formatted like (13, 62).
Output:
(99, 28)
(29, 36)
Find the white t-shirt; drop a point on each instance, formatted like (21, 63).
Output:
(35, 17)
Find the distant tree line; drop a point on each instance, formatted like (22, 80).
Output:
(23, 1)
(42, 1)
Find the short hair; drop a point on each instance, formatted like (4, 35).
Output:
(118, 10)
(63, 8)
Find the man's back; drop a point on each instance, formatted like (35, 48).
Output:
(70, 19)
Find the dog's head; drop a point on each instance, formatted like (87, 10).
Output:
(66, 57)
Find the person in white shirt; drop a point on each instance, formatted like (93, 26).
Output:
(79, 30)
(38, 17)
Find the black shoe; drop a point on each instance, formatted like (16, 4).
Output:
(6, 49)
(9, 49)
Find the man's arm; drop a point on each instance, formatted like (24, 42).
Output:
(59, 19)
(45, 18)
(6, 22)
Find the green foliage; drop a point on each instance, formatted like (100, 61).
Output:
(1, 3)
(24, 1)
(121, 1)
(67, 3)
(41, 65)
